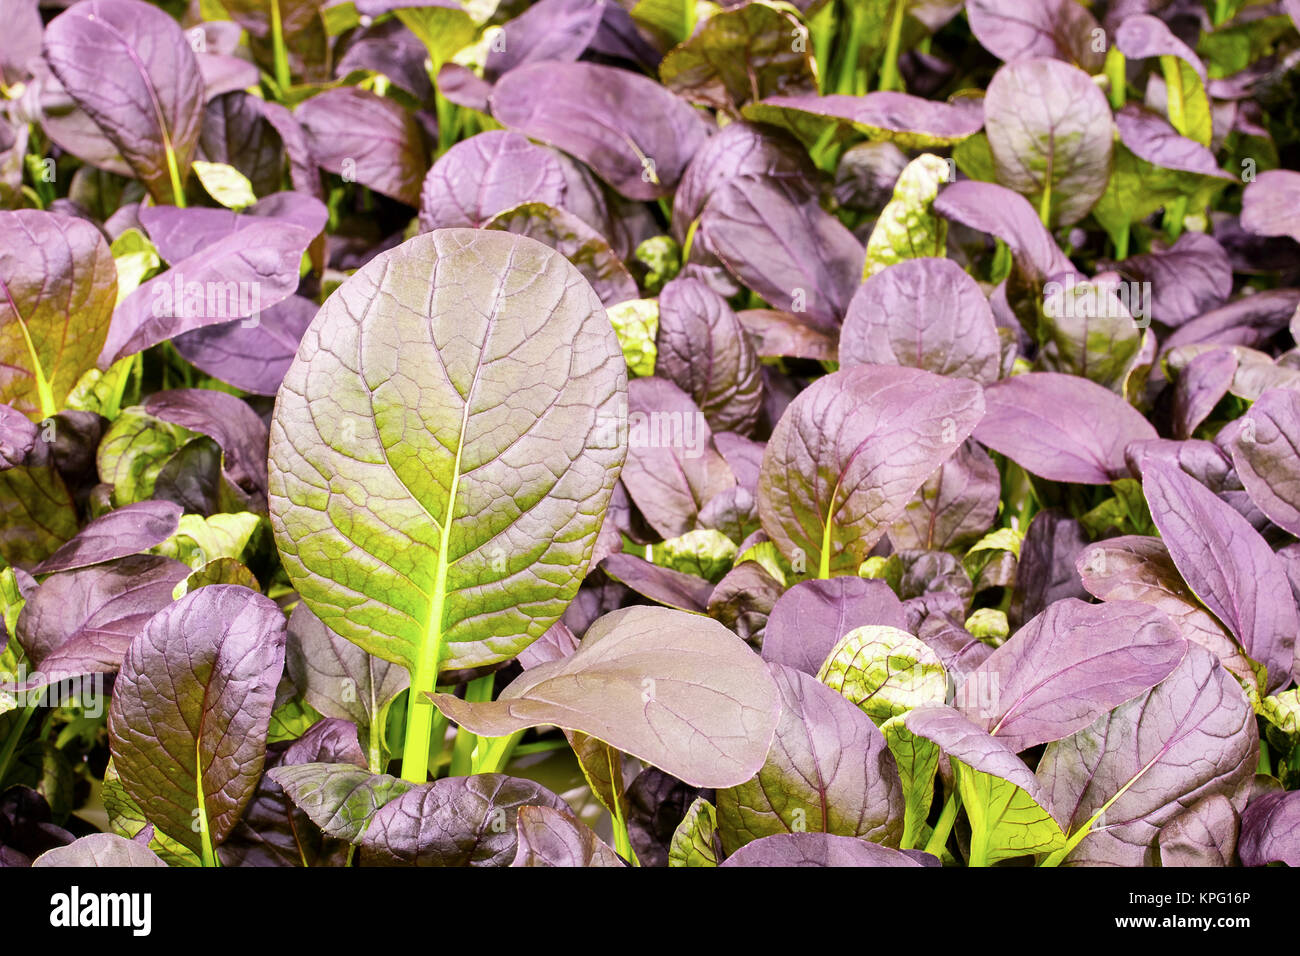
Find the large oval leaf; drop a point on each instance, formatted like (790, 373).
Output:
(849, 453)
(444, 446)
(1266, 453)
(678, 690)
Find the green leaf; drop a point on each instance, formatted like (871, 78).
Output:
(907, 228)
(443, 31)
(1005, 820)
(135, 257)
(705, 553)
(694, 842)
(988, 548)
(636, 322)
(439, 471)
(989, 624)
(669, 21)
(225, 184)
(132, 452)
(885, 671)
(339, 798)
(918, 761)
(199, 540)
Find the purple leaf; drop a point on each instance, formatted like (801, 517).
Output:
(955, 507)
(1191, 736)
(635, 134)
(1061, 427)
(1188, 279)
(456, 821)
(368, 139)
(704, 351)
(829, 770)
(1067, 667)
(1228, 565)
(711, 708)
(254, 358)
(923, 313)
(850, 452)
(129, 66)
(81, 622)
(485, 175)
(190, 710)
(237, 429)
(1266, 454)
(550, 837)
(1206, 835)
(118, 534)
(809, 619)
(1201, 386)
(1270, 830)
(100, 849)
(234, 278)
(673, 468)
(817, 849)
(1012, 30)
(1270, 204)
(181, 233)
(675, 589)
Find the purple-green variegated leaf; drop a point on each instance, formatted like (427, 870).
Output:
(340, 798)
(1067, 667)
(850, 452)
(809, 619)
(912, 122)
(1266, 454)
(485, 175)
(118, 534)
(1051, 136)
(1228, 566)
(190, 710)
(1115, 785)
(57, 289)
(1061, 427)
(456, 821)
(635, 134)
(679, 691)
(818, 850)
(829, 770)
(129, 66)
(923, 313)
(395, 437)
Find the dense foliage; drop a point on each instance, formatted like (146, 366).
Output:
(591, 432)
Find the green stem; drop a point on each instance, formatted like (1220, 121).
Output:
(462, 751)
(1265, 760)
(1174, 106)
(622, 839)
(1115, 63)
(1121, 244)
(11, 744)
(822, 28)
(173, 170)
(493, 753)
(848, 65)
(943, 828)
(1174, 214)
(419, 718)
(1045, 204)
(282, 76)
(889, 77)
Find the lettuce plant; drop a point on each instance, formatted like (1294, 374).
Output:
(572, 433)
